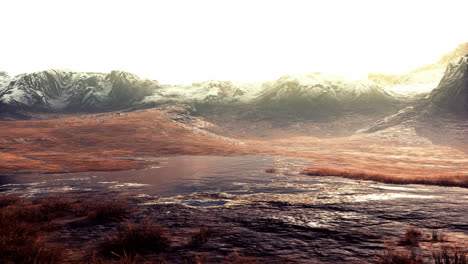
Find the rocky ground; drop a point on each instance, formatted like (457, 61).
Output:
(258, 207)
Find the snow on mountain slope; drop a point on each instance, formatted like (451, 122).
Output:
(62, 90)
(449, 99)
(410, 91)
(324, 92)
(452, 93)
(55, 90)
(4, 80)
(211, 92)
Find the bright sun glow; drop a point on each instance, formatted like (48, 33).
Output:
(184, 41)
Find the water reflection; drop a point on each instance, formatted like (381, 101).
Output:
(195, 180)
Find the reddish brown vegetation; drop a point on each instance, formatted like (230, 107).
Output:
(201, 237)
(25, 224)
(6, 200)
(135, 238)
(453, 180)
(98, 142)
(394, 256)
(108, 211)
(112, 142)
(411, 237)
(21, 234)
(450, 255)
(446, 255)
(399, 162)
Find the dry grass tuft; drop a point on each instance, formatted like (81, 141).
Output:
(27, 250)
(448, 180)
(55, 206)
(393, 256)
(411, 237)
(107, 211)
(27, 212)
(201, 237)
(21, 235)
(134, 239)
(450, 255)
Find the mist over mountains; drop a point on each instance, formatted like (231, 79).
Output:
(447, 101)
(323, 93)
(61, 90)
(426, 74)
(307, 95)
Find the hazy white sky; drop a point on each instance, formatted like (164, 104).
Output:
(178, 41)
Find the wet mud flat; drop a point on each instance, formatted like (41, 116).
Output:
(279, 217)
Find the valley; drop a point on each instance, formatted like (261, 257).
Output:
(307, 168)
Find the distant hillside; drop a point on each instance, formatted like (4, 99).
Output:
(61, 90)
(319, 93)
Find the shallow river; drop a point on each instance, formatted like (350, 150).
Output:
(281, 214)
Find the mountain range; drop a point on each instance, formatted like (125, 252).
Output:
(60, 90)
(67, 91)
(306, 95)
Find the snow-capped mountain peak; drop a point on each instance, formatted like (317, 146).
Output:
(54, 90)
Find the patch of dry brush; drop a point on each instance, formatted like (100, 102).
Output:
(450, 255)
(103, 142)
(200, 237)
(107, 211)
(411, 237)
(448, 180)
(395, 256)
(25, 224)
(136, 238)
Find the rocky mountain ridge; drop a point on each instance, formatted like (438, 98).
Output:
(319, 92)
(449, 100)
(63, 90)
(451, 95)
(67, 91)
